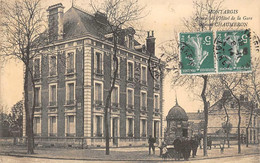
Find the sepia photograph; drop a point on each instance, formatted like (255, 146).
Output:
(130, 81)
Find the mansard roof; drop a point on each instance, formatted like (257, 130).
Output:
(77, 23)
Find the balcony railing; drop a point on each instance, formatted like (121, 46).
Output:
(70, 70)
(37, 104)
(130, 106)
(130, 79)
(52, 103)
(98, 102)
(53, 73)
(70, 102)
(98, 71)
(156, 110)
(143, 82)
(37, 76)
(143, 108)
(115, 104)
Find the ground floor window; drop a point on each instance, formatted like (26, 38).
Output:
(143, 128)
(99, 128)
(71, 124)
(37, 126)
(53, 126)
(130, 127)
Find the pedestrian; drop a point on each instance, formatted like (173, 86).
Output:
(186, 149)
(177, 146)
(151, 142)
(194, 146)
(209, 142)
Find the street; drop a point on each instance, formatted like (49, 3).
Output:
(238, 159)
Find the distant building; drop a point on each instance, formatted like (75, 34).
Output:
(72, 82)
(217, 117)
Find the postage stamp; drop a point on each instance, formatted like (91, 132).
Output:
(233, 51)
(197, 53)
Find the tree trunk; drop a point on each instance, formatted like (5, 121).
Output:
(247, 137)
(228, 139)
(108, 99)
(106, 129)
(238, 128)
(29, 124)
(203, 96)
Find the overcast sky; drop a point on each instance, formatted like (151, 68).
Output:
(164, 17)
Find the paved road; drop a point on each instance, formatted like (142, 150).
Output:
(239, 159)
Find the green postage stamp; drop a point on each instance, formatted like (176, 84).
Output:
(196, 53)
(233, 51)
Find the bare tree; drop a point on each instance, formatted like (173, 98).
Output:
(233, 84)
(120, 16)
(202, 19)
(23, 26)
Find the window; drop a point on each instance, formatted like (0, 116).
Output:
(130, 71)
(99, 126)
(143, 75)
(98, 94)
(113, 66)
(130, 127)
(70, 125)
(53, 65)
(37, 70)
(70, 62)
(53, 126)
(130, 98)
(143, 128)
(70, 93)
(143, 100)
(98, 63)
(53, 95)
(115, 97)
(156, 102)
(37, 96)
(37, 126)
(130, 42)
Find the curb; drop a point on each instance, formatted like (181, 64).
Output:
(98, 159)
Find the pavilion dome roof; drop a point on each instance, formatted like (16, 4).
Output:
(177, 113)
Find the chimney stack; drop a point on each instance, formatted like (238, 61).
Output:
(55, 22)
(150, 43)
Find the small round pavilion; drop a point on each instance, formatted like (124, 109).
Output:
(177, 122)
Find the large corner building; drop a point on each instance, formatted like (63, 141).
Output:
(74, 75)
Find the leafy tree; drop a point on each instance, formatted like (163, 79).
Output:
(15, 118)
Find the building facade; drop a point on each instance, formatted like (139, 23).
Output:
(217, 116)
(74, 74)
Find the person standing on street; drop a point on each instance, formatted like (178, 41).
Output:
(194, 146)
(151, 142)
(177, 147)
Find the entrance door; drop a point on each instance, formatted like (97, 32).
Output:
(115, 131)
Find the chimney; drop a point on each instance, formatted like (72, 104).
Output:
(55, 22)
(150, 43)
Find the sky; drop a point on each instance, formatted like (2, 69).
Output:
(164, 16)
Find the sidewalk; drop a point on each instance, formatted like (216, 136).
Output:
(118, 154)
